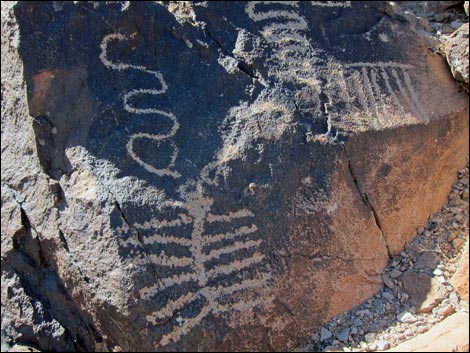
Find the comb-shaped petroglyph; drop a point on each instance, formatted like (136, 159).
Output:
(379, 92)
(132, 108)
(282, 27)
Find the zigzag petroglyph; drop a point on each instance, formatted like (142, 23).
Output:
(131, 108)
(285, 28)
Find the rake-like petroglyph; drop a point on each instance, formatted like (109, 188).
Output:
(363, 88)
(223, 267)
(134, 109)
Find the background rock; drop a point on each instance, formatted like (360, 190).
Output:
(204, 203)
(457, 54)
(429, 8)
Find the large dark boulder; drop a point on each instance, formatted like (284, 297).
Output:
(211, 176)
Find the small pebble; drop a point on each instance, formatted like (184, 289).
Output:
(382, 345)
(370, 337)
(324, 334)
(357, 322)
(388, 296)
(457, 243)
(423, 329)
(457, 201)
(406, 317)
(343, 335)
(388, 281)
(464, 194)
(454, 298)
(451, 236)
(446, 311)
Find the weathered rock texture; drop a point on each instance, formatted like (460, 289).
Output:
(457, 54)
(460, 278)
(219, 177)
(450, 335)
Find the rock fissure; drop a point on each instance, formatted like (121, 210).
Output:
(142, 244)
(28, 227)
(286, 308)
(379, 225)
(366, 201)
(297, 107)
(36, 261)
(241, 66)
(64, 241)
(72, 258)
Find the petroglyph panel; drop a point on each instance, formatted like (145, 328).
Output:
(212, 263)
(221, 142)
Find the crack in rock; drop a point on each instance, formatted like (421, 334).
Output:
(366, 201)
(242, 66)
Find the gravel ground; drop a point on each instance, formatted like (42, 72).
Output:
(400, 310)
